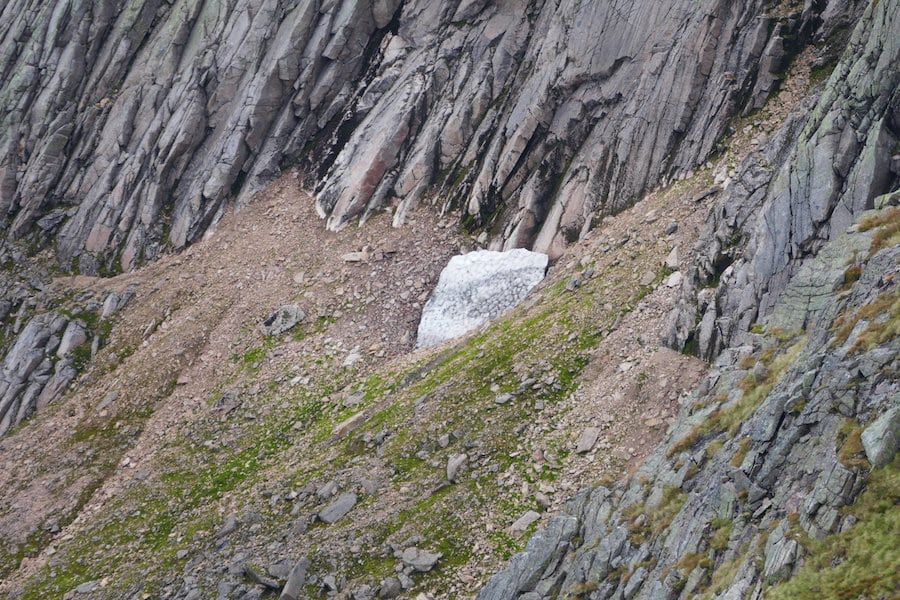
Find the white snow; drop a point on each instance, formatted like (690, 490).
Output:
(475, 288)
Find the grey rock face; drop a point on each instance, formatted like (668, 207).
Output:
(543, 552)
(31, 376)
(777, 476)
(126, 128)
(789, 480)
(805, 188)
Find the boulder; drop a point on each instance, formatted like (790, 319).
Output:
(283, 320)
(881, 439)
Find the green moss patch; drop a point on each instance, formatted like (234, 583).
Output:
(861, 562)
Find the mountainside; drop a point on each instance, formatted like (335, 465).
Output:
(128, 126)
(210, 385)
(800, 312)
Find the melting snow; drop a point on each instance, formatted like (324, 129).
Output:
(475, 288)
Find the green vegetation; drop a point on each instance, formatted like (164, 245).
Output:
(645, 523)
(723, 576)
(883, 323)
(714, 448)
(850, 449)
(729, 419)
(861, 562)
(738, 459)
(721, 534)
(852, 275)
(886, 224)
(253, 359)
(691, 561)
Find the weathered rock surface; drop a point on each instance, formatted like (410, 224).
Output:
(420, 560)
(881, 439)
(283, 320)
(127, 127)
(338, 509)
(476, 288)
(44, 339)
(778, 246)
(804, 188)
(780, 472)
(31, 376)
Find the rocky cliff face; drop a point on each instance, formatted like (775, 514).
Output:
(331, 457)
(127, 126)
(794, 296)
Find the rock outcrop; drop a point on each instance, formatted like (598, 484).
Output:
(796, 296)
(44, 340)
(128, 126)
(30, 376)
(807, 186)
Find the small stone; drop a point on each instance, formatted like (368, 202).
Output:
(673, 259)
(587, 440)
(405, 581)
(348, 425)
(352, 358)
(454, 464)
(257, 577)
(674, 280)
(339, 508)
(87, 587)
(355, 257)
(228, 527)
(280, 570)
(420, 560)
(648, 278)
(503, 399)
(283, 320)
(327, 490)
(671, 228)
(110, 305)
(390, 588)
(524, 522)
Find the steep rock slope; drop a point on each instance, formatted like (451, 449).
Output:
(129, 127)
(800, 410)
(126, 126)
(196, 450)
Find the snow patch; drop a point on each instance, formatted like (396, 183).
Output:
(475, 288)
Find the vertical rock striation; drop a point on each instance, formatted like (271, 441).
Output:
(807, 187)
(798, 308)
(126, 126)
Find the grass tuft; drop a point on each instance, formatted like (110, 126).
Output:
(861, 562)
